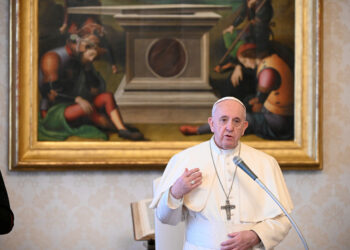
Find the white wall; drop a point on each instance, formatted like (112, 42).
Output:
(90, 210)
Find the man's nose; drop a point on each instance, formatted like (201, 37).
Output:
(230, 126)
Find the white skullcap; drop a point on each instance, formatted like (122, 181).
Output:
(224, 99)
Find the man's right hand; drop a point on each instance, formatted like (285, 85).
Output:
(229, 29)
(256, 105)
(237, 75)
(52, 95)
(84, 104)
(241, 240)
(189, 180)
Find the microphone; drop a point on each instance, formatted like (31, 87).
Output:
(242, 165)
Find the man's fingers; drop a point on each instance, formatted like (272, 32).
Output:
(195, 175)
(196, 179)
(88, 109)
(228, 244)
(191, 179)
(232, 235)
(196, 184)
(191, 172)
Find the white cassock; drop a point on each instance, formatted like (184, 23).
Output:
(207, 225)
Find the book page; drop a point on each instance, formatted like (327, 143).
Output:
(143, 220)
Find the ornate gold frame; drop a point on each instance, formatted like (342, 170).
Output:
(26, 153)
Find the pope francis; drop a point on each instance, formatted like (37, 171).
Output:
(222, 206)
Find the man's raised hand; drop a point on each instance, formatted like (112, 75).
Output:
(189, 180)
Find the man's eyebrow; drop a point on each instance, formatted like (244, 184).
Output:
(234, 118)
(223, 116)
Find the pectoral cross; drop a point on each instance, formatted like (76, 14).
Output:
(228, 208)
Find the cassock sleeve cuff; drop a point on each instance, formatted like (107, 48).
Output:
(260, 232)
(272, 231)
(173, 203)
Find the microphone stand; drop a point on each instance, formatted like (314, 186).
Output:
(239, 162)
(284, 211)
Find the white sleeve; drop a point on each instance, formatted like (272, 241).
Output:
(170, 210)
(272, 231)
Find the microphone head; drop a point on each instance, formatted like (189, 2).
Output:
(241, 164)
(237, 160)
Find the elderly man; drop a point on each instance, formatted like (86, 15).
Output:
(74, 98)
(222, 206)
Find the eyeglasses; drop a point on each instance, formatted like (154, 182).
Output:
(236, 122)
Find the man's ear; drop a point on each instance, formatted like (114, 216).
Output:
(245, 126)
(210, 122)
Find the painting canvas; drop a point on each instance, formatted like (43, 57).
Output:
(133, 82)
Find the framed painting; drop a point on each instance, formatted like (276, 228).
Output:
(113, 84)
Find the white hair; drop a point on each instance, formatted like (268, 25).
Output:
(224, 99)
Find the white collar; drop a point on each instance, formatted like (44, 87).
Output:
(220, 151)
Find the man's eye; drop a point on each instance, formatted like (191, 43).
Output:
(237, 122)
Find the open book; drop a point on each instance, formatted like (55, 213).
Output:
(143, 219)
